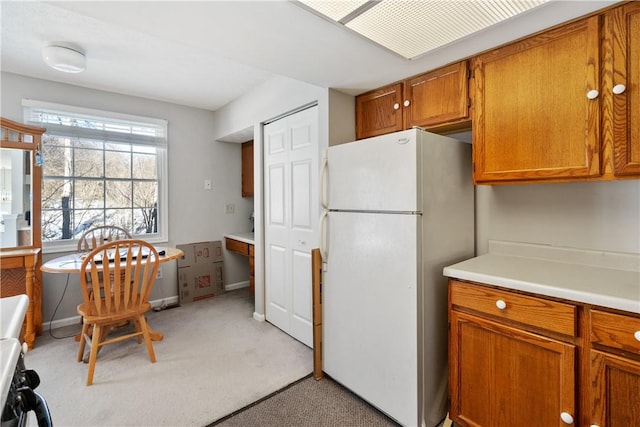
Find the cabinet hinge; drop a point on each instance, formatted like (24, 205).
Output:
(468, 102)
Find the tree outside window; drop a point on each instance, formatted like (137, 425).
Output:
(99, 171)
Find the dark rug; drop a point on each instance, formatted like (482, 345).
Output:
(308, 403)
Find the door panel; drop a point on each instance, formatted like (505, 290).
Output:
(277, 279)
(370, 309)
(301, 322)
(300, 185)
(292, 210)
(276, 195)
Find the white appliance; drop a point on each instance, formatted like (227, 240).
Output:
(399, 208)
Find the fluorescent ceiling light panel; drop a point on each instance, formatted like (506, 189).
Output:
(413, 28)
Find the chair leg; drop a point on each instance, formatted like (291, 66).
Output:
(147, 338)
(136, 324)
(95, 342)
(83, 340)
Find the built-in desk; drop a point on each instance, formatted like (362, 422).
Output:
(243, 244)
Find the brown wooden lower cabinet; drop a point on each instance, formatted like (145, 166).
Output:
(616, 390)
(581, 370)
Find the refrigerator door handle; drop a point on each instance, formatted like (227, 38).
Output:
(323, 235)
(323, 176)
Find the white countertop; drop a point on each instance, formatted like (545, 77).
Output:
(245, 236)
(592, 277)
(12, 312)
(9, 355)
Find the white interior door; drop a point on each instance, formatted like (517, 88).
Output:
(291, 156)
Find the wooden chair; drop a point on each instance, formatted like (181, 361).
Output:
(98, 236)
(129, 280)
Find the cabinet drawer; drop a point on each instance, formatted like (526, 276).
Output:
(615, 330)
(538, 312)
(237, 246)
(12, 262)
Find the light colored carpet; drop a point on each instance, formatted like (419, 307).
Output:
(214, 360)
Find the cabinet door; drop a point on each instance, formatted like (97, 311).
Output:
(624, 28)
(615, 385)
(438, 97)
(379, 112)
(532, 119)
(505, 377)
(247, 169)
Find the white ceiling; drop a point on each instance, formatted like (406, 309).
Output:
(205, 54)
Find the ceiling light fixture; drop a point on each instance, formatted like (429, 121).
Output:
(413, 28)
(64, 58)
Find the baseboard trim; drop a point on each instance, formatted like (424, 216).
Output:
(259, 317)
(238, 285)
(74, 320)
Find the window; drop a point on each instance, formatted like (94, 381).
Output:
(100, 168)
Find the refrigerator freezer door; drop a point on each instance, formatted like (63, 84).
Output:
(375, 174)
(369, 309)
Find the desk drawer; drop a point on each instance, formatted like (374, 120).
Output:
(615, 330)
(529, 310)
(237, 246)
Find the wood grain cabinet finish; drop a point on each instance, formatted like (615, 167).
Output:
(532, 119)
(501, 374)
(562, 105)
(247, 169)
(536, 366)
(615, 369)
(622, 83)
(379, 112)
(438, 97)
(435, 100)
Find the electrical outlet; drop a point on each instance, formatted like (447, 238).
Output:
(159, 274)
(229, 208)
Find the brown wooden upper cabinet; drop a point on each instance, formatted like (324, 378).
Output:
(622, 83)
(247, 169)
(437, 99)
(378, 112)
(558, 106)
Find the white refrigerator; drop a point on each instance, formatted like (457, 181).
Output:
(399, 208)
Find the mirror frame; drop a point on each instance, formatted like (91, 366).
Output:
(13, 136)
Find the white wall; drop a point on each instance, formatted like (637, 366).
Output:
(195, 214)
(601, 216)
(272, 99)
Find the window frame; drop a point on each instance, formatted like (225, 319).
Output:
(160, 143)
